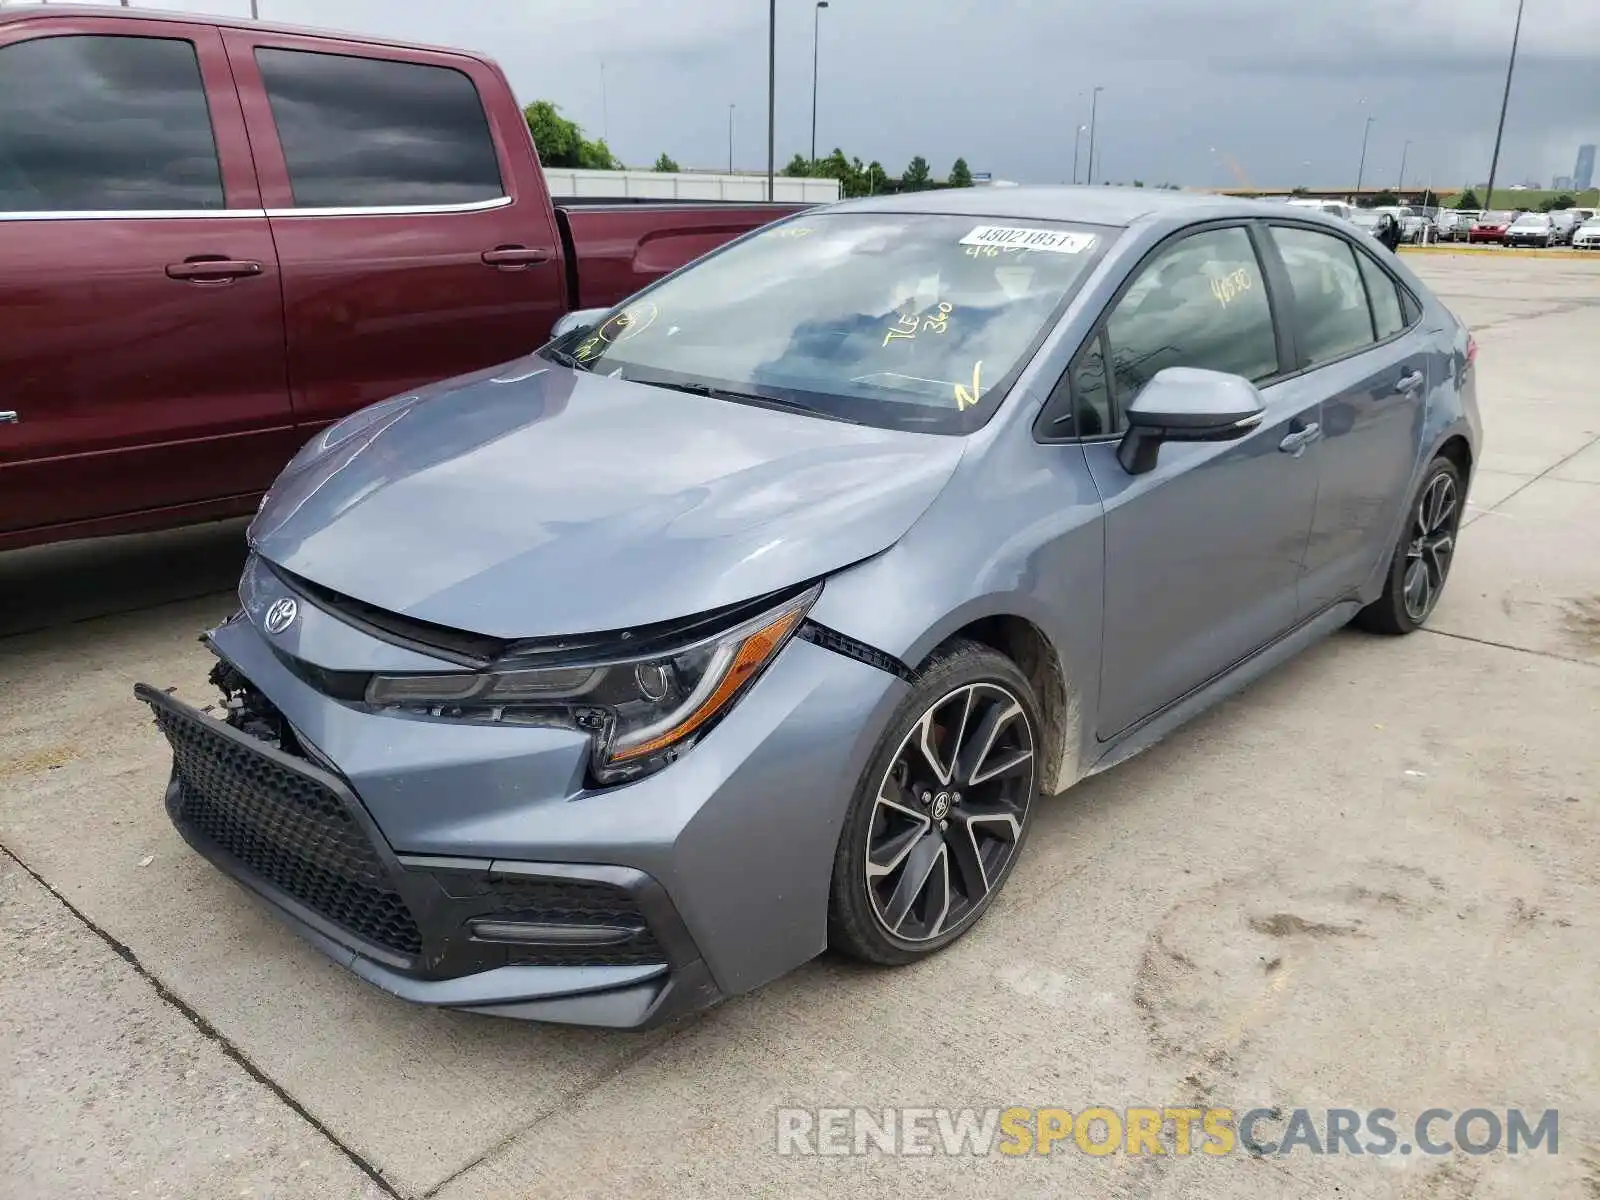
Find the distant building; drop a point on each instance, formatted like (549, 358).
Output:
(1583, 173)
(1561, 183)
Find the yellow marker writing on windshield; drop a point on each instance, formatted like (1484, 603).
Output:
(966, 399)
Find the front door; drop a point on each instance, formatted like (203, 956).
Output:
(141, 365)
(1202, 554)
(415, 246)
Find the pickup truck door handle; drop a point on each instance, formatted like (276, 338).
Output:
(1409, 382)
(212, 270)
(1296, 442)
(514, 257)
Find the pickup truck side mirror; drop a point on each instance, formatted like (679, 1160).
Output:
(1187, 404)
(583, 319)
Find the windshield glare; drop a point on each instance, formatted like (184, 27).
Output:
(913, 321)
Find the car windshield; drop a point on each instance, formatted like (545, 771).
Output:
(910, 321)
(1534, 220)
(1494, 218)
(1592, 223)
(1367, 220)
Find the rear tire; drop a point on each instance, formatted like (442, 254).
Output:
(941, 813)
(1419, 564)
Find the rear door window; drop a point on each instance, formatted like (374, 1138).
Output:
(1332, 317)
(1385, 296)
(105, 124)
(376, 133)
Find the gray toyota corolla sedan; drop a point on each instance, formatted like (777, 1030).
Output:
(755, 616)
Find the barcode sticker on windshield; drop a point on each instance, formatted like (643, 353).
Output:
(1016, 237)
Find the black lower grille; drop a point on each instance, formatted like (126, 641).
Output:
(287, 827)
(574, 904)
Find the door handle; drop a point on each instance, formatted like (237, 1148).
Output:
(1409, 383)
(212, 270)
(1296, 442)
(9, 417)
(513, 257)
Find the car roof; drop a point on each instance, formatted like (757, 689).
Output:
(1117, 206)
(78, 11)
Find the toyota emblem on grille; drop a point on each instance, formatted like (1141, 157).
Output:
(281, 615)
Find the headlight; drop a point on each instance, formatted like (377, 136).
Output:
(641, 712)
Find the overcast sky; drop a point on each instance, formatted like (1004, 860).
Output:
(1283, 88)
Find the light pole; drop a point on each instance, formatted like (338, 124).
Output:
(816, 31)
(1362, 168)
(1094, 102)
(1505, 99)
(730, 139)
(1077, 140)
(255, 13)
(772, 92)
(605, 112)
(1403, 154)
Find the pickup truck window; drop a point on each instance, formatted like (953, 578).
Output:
(105, 124)
(374, 133)
(899, 320)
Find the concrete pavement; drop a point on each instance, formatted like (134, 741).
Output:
(1368, 881)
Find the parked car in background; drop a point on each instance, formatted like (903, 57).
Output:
(1565, 222)
(1456, 223)
(1412, 227)
(1489, 227)
(757, 615)
(1587, 235)
(1334, 208)
(1366, 220)
(220, 236)
(1532, 229)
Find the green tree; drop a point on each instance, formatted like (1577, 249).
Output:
(917, 177)
(1384, 199)
(799, 168)
(666, 163)
(596, 155)
(1467, 199)
(557, 139)
(1560, 202)
(960, 174)
(877, 178)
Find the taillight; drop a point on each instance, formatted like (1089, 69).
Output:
(1472, 349)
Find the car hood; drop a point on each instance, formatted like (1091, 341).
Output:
(531, 500)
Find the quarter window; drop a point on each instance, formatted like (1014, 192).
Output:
(1385, 296)
(370, 133)
(1330, 304)
(105, 124)
(1201, 302)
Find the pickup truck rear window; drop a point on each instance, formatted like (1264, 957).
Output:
(105, 124)
(375, 133)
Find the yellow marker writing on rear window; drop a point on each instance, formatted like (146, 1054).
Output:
(966, 399)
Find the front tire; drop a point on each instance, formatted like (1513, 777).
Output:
(939, 817)
(1420, 563)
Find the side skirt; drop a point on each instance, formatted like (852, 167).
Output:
(1243, 673)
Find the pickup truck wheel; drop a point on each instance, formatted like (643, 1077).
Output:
(940, 815)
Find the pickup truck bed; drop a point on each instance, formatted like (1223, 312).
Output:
(278, 227)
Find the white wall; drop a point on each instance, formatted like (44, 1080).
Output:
(686, 185)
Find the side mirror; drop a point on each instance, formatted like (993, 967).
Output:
(1187, 404)
(583, 319)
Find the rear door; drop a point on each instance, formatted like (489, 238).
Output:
(141, 360)
(415, 238)
(1361, 351)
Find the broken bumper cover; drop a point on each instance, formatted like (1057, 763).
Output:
(447, 861)
(591, 944)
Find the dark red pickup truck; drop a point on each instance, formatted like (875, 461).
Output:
(218, 236)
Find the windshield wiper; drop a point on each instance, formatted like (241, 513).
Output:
(753, 398)
(556, 355)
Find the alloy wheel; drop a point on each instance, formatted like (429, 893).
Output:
(1432, 546)
(949, 813)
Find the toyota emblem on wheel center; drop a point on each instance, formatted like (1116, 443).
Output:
(281, 615)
